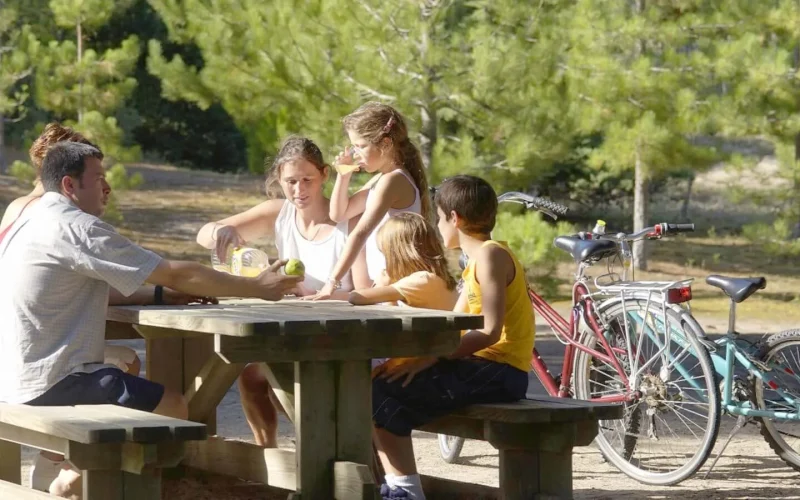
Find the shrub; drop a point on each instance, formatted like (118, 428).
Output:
(531, 240)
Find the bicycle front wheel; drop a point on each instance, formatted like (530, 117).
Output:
(671, 420)
(781, 353)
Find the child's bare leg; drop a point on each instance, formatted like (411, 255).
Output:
(258, 407)
(396, 453)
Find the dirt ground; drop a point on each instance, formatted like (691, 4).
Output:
(165, 215)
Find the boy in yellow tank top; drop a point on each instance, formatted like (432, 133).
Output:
(489, 366)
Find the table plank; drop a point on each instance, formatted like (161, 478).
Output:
(63, 422)
(342, 347)
(292, 318)
(271, 466)
(146, 427)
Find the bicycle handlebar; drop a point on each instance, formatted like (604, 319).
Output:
(651, 233)
(543, 205)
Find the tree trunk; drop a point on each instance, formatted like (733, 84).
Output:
(428, 133)
(796, 195)
(641, 195)
(80, 82)
(687, 198)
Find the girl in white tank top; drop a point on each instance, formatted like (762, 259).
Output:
(319, 256)
(380, 145)
(376, 261)
(302, 229)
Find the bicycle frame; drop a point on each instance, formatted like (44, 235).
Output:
(724, 366)
(568, 331)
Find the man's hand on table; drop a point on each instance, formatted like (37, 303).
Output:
(409, 370)
(274, 285)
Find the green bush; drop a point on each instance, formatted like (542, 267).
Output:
(531, 240)
(23, 172)
(773, 238)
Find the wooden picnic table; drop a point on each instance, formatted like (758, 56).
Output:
(317, 357)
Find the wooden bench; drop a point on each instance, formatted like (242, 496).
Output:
(534, 437)
(119, 451)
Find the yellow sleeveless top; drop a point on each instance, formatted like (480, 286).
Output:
(516, 340)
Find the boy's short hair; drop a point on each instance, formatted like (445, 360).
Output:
(472, 198)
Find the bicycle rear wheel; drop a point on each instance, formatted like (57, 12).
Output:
(670, 426)
(450, 447)
(781, 352)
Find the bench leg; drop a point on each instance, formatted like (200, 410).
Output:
(10, 465)
(144, 486)
(519, 479)
(102, 485)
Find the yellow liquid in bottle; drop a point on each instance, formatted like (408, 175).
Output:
(224, 268)
(250, 272)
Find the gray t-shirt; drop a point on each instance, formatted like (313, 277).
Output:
(56, 265)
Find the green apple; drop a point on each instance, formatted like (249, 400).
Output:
(294, 267)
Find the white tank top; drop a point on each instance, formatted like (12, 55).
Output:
(376, 262)
(319, 257)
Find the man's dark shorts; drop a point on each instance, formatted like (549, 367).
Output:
(104, 386)
(443, 388)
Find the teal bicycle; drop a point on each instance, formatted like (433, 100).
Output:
(770, 392)
(766, 389)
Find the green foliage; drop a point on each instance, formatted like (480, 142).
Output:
(119, 180)
(18, 49)
(91, 14)
(773, 238)
(531, 240)
(100, 82)
(22, 172)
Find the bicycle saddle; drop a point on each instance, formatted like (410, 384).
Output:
(586, 250)
(738, 289)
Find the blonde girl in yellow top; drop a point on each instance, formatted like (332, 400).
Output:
(416, 272)
(489, 366)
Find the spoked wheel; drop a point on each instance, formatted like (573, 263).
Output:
(670, 426)
(781, 354)
(450, 447)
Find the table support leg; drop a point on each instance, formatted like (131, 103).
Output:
(354, 431)
(315, 422)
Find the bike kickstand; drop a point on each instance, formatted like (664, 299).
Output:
(741, 421)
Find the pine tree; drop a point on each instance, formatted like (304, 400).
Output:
(83, 88)
(328, 57)
(760, 68)
(78, 83)
(18, 47)
(642, 73)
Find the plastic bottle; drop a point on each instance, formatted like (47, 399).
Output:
(242, 261)
(599, 227)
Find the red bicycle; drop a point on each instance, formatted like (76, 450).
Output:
(611, 318)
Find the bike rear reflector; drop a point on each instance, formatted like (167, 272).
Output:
(789, 371)
(679, 295)
(772, 384)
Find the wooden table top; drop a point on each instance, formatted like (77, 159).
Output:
(249, 317)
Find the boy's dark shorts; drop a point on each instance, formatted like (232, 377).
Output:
(444, 388)
(104, 386)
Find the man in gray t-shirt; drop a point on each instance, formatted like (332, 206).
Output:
(58, 263)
